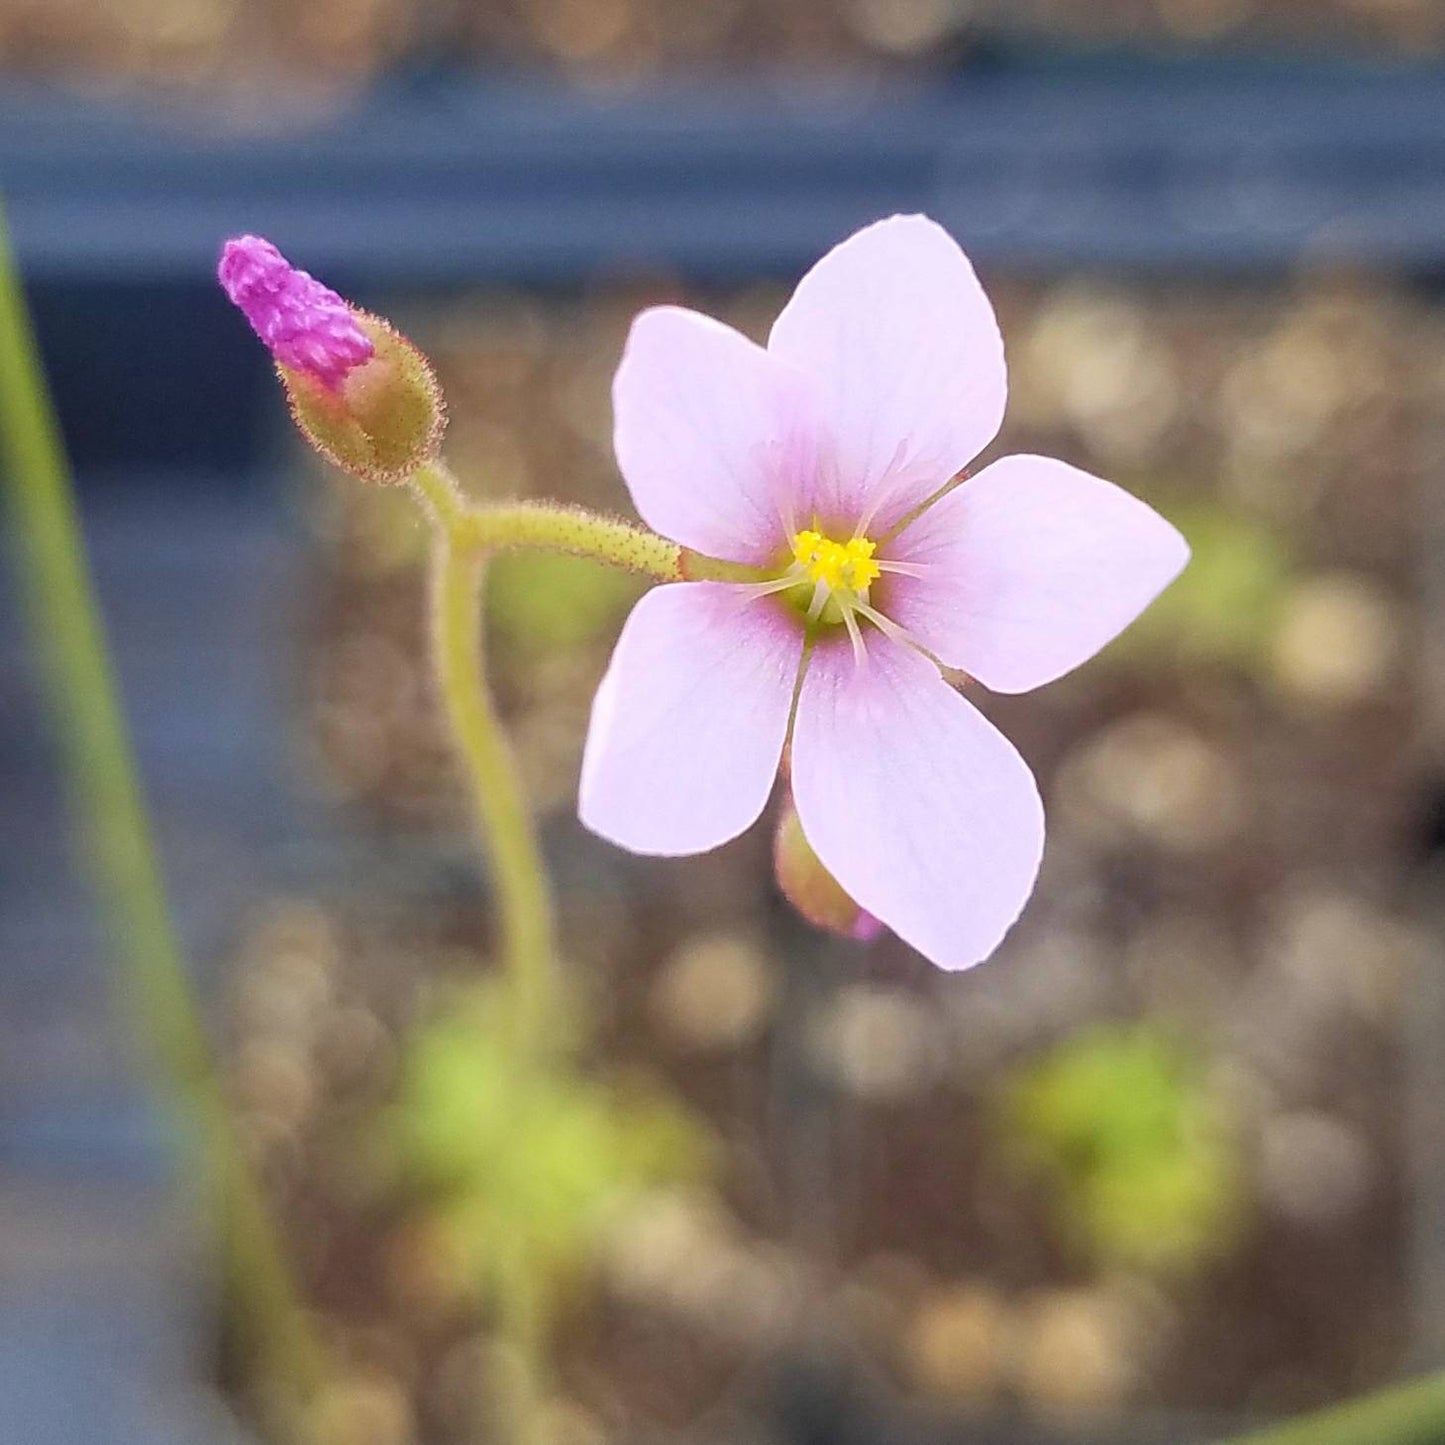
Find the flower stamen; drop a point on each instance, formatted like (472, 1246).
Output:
(819, 602)
(840, 566)
(854, 635)
(766, 589)
(885, 625)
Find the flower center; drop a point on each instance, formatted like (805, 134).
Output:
(827, 582)
(846, 567)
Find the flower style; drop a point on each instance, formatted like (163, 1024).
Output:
(306, 326)
(828, 465)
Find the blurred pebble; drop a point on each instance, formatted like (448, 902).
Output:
(1328, 984)
(959, 1342)
(1075, 1353)
(289, 933)
(1341, 951)
(879, 1044)
(365, 1409)
(663, 1246)
(713, 995)
(1093, 359)
(274, 1007)
(353, 1047)
(1314, 1170)
(680, 1252)
(1201, 19)
(578, 30)
(427, 1271)
(1151, 776)
(1338, 642)
(1057, 975)
(273, 1078)
(562, 1422)
(904, 27)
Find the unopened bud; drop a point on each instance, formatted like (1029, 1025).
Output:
(360, 392)
(810, 888)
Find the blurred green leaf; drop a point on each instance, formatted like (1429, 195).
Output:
(1142, 1165)
(548, 600)
(525, 1161)
(1225, 605)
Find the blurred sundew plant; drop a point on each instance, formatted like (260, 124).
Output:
(1137, 1152)
(1225, 607)
(522, 1167)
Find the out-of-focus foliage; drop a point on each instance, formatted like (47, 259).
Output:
(1143, 1167)
(525, 1162)
(1225, 606)
(542, 601)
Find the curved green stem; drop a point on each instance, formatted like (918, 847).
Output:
(464, 537)
(106, 801)
(461, 546)
(508, 832)
(1408, 1414)
(547, 526)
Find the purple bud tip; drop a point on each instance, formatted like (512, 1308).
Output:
(306, 326)
(865, 927)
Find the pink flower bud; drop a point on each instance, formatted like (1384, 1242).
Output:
(360, 392)
(306, 326)
(811, 889)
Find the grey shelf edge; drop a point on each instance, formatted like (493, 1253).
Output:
(443, 179)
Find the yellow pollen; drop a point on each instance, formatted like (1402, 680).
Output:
(839, 566)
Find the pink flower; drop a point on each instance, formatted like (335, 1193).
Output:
(827, 462)
(306, 326)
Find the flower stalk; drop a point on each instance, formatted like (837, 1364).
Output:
(508, 831)
(549, 527)
(463, 540)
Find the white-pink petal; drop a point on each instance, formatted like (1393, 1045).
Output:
(907, 362)
(688, 725)
(914, 801)
(1028, 569)
(713, 435)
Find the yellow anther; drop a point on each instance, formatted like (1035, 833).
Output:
(862, 569)
(839, 566)
(805, 547)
